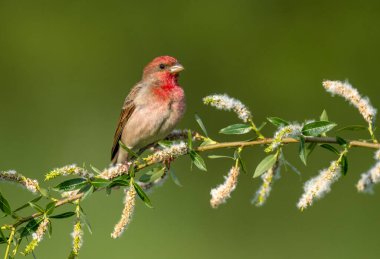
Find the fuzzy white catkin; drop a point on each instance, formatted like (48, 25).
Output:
(12, 176)
(68, 170)
(221, 193)
(77, 236)
(268, 178)
(39, 234)
(318, 186)
(114, 171)
(351, 94)
(292, 130)
(227, 103)
(377, 155)
(173, 151)
(126, 216)
(369, 179)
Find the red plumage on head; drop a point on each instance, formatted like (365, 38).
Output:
(155, 63)
(166, 83)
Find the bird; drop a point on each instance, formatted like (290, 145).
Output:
(152, 109)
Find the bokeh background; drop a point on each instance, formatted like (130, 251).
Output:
(66, 66)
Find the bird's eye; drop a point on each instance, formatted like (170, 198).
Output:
(162, 66)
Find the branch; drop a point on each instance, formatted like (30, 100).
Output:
(180, 143)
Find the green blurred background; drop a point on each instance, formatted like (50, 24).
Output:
(66, 66)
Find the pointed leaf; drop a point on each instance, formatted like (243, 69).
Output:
(100, 182)
(324, 116)
(96, 170)
(190, 139)
(317, 128)
(217, 156)
(310, 148)
(265, 165)
(27, 204)
(50, 207)
(352, 128)
(341, 141)
(4, 205)
(344, 164)
(277, 121)
(63, 215)
(129, 151)
(36, 207)
(175, 178)
(331, 148)
(208, 142)
(70, 185)
(87, 190)
(236, 129)
(262, 126)
(30, 228)
(142, 195)
(302, 150)
(83, 218)
(200, 123)
(197, 160)
(152, 175)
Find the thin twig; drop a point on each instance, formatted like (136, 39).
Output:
(139, 165)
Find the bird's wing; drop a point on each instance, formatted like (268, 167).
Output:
(126, 112)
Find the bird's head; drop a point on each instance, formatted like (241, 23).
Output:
(163, 67)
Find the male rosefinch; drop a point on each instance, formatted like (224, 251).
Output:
(152, 108)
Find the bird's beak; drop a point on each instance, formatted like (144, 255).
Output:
(175, 69)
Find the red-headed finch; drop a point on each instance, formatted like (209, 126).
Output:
(152, 108)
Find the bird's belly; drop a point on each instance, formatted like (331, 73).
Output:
(150, 123)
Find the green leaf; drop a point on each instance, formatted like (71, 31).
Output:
(70, 185)
(96, 170)
(262, 126)
(44, 192)
(208, 142)
(200, 123)
(63, 215)
(87, 190)
(236, 129)
(118, 182)
(324, 116)
(174, 177)
(4, 205)
(310, 148)
(50, 207)
(30, 228)
(36, 207)
(317, 128)
(344, 164)
(352, 128)
(83, 218)
(100, 182)
(292, 167)
(142, 195)
(277, 121)
(197, 160)
(331, 148)
(152, 175)
(165, 143)
(130, 152)
(302, 150)
(217, 156)
(190, 139)
(27, 204)
(267, 163)
(341, 141)
(3, 239)
(50, 228)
